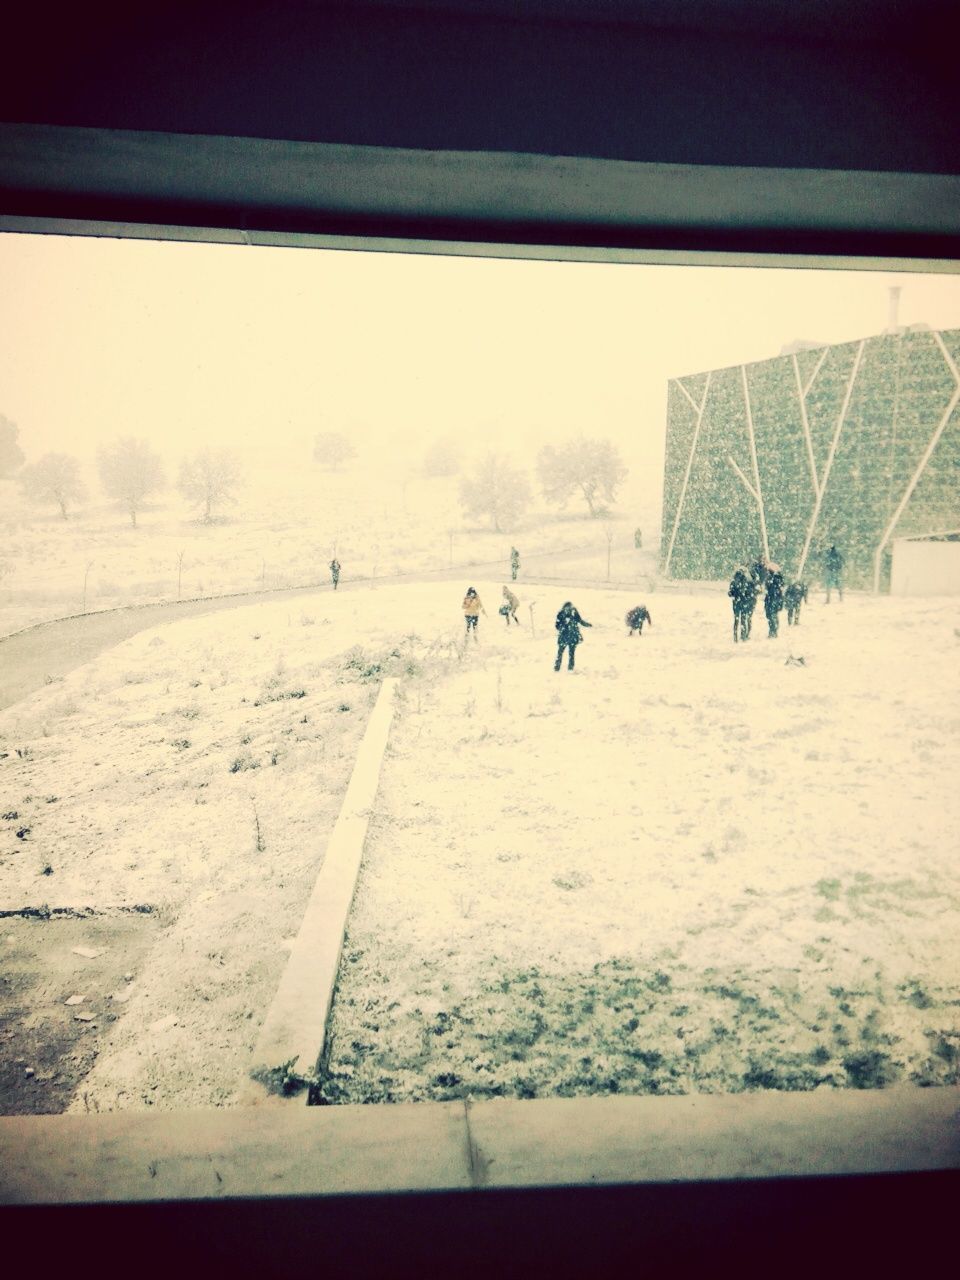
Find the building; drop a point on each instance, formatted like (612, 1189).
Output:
(855, 444)
(926, 566)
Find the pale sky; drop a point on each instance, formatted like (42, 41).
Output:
(190, 344)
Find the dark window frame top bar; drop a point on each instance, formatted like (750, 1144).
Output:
(268, 188)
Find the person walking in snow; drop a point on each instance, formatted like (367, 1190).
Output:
(509, 607)
(335, 571)
(568, 626)
(638, 539)
(773, 599)
(743, 596)
(514, 563)
(472, 608)
(793, 598)
(833, 564)
(635, 619)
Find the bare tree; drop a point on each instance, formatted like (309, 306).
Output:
(11, 455)
(497, 490)
(129, 472)
(54, 478)
(332, 449)
(208, 480)
(443, 458)
(593, 468)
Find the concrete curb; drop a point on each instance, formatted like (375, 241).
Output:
(482, 1147)
(294, 1028)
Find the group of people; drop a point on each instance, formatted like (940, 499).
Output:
(766, 576)
(745, 587)
(567, 623)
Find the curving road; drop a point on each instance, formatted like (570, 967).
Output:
(31, 658)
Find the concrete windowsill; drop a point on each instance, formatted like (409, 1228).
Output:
(452, 1146)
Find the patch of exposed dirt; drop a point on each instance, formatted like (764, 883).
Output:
(47, 1046)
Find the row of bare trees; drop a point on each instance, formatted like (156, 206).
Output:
(591, 470)
(130, 473)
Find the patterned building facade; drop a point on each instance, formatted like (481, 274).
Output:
(852, 444)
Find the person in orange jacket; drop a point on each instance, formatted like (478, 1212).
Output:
(472, 609)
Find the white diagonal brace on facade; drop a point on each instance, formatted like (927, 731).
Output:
(802, 398)
(758, 495)
(841, 418)
(686, 475)
(687, 394)
(746, 483)
(813, 376)
(921, 465)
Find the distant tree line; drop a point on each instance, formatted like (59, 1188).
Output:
(130, 473)
(494, 489)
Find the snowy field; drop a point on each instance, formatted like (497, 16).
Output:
(688, 866)
(382, 520)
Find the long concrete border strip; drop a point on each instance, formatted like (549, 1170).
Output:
(493, 1145)
(295, 1026)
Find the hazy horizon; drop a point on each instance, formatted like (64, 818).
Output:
(260, 348)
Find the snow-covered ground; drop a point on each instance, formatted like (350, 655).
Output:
(686, 866)
(140, 780)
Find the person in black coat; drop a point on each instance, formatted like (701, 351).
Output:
(833, 563)
(568, 626)
(793, 598)
(743, 596)
(635, 619)
(773, 599)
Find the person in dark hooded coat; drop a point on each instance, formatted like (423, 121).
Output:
(635, 619)
(793, 598)
(833, 563)
(743, 596)
(568, 626)
(773, 599)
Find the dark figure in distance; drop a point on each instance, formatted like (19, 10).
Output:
(743, 596)
(514, 563)
(568, 626)
(773, 600)
(793, 598)
(636, 618)
(638, 539)
(335, 571)
(833, 564)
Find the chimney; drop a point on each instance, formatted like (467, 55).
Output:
(894, 307)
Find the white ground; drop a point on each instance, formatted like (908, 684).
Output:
(688, 856)
(678, 806)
